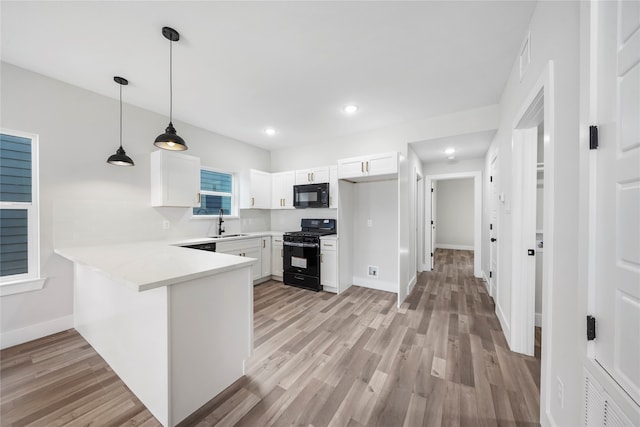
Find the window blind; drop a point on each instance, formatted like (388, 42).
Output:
(15, 169)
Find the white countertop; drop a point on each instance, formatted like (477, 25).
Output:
(250, 235)
(148, 265)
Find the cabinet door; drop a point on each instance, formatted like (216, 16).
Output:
(277, 257)
(276, 191)
(261, 189)
(382, 164)
(175, 179)
(350, 168)
(303, 176)
(257, 267)
(320, 175)
(265, 258)
(288, 182)
(329, 268)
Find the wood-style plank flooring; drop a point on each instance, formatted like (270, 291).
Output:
(319, 359)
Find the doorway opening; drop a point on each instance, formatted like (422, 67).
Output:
(447, 183)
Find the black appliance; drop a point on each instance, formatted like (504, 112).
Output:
(211, 247)
(301, 253)
(311, 195)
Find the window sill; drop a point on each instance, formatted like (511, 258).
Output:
(20, 286)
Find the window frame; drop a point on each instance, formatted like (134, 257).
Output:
(30, 280)
(234, 194)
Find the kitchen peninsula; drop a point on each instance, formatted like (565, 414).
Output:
(175, 324)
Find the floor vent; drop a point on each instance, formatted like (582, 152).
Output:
(599, 409)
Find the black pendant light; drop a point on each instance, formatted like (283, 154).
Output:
(120, 158)
(170, 140)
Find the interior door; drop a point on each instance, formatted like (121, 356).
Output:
(615, 255)
(493, 227)
(433, 224)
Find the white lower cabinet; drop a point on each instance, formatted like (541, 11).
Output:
(265, 258)
(329, 264)
(251, 248)
(277, 258)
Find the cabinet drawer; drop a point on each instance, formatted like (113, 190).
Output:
(236, 245)
(328, 245)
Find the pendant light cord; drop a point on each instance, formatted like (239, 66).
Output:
(120, 115)
(170, 81)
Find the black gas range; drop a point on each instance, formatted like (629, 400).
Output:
(301, 252)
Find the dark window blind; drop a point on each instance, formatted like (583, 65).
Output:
(15, 169)
(14, 252)
(215, 181)
(218, 182)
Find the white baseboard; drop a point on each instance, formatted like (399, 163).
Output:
(506, 329)
(455, 247)
(412, 283)
(376, 284)
(487, 285)
(539, 320)
(32, 332)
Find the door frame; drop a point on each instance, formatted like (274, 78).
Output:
(492, 282)
(477, 216)
(544, 84)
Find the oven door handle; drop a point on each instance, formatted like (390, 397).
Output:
(301, 245)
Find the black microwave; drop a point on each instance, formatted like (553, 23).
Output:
(311, 196)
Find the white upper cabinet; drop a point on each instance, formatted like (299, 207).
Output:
(255, 189)
(175, 179)
(312, 176)
(282, 190)
(369, 168)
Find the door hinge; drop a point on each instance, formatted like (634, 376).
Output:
(491, 178)
(431, 253)
(490, 226)
(591, 328)
(490, 274)
(432, 190)
(431, 222)
(593, 137)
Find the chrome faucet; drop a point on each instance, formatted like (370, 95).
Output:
(220, 221)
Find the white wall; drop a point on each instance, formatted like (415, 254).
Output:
(84, 200)
(289, 219)
(554, 36)
(456, 166)
(454, 213)
(375, 244)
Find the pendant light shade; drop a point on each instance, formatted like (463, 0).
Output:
(120, 158)
(170, 140)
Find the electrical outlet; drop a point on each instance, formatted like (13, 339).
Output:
(560, 392)
(373, 271)
(166, 224)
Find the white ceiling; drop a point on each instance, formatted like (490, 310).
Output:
(240, 67)
(467, 146)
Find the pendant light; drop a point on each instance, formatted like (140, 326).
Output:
(170, 140)
(120, 158)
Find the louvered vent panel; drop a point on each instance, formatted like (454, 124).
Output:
(613, 416)
(593, 404)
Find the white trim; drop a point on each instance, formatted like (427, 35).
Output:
(487, 284)
(506, 328)
(33, 212)
(20, 286)
(454, 247)
(375, 284)
(538, 320)
(32, 332)
(412, 284)
(477, 216)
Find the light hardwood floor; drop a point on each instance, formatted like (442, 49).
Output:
(319, 359)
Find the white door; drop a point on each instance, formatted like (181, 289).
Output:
(433, 224)
(493, 227)
(615, 254)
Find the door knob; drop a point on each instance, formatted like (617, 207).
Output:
(493, 239)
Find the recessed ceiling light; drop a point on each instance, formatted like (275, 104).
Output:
(451, 157)
(270, 131)
(450, 150)
(350, 109)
